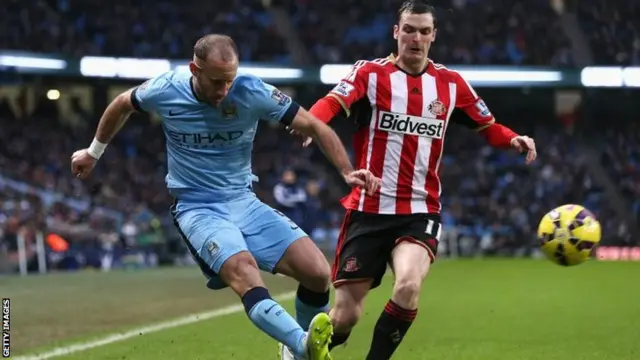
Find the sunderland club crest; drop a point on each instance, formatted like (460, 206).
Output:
(437, 108)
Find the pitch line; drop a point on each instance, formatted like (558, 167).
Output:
(113, 338)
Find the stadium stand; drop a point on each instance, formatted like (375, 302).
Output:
(469, 31)
(145, 28)
(612, 28)
(492, 201)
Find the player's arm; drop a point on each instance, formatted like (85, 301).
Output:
(140, 98)
(275, 106)
(480, 118)
(349, 90)
(328, 141)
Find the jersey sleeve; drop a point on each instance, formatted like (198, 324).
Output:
(148, 95)
(273, 105)
(352, 87)
(479, 116)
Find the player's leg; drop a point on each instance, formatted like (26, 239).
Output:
(304, 262)
(411, 259)
(359, 265)
(348, 306)
(275, 240)
(220, 249)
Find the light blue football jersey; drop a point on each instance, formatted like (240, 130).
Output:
(209, 148)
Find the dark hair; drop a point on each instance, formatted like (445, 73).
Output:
(417, 7)
(221, 46)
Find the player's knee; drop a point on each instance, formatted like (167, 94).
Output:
(407, 291)
(319, 277)
(241, 273)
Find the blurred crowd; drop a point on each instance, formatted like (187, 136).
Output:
(492, 200)
(613, 29)
(141, 28)
(520, 32)
(621, 158)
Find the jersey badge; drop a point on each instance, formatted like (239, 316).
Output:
(280, 97)
(437, 108)
(229, 111)
(483, 110)
(343, 89)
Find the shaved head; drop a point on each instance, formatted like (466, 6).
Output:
(215, 47)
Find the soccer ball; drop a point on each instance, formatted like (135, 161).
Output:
(568, 234)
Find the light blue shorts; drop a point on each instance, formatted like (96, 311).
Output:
(214, 232)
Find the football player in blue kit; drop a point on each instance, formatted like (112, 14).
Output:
(210, 115)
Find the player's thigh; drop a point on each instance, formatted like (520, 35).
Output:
(304, 262)
(268, 234)
(218, 247)
(363, 250)
(415, 249)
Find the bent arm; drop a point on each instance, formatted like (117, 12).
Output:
(112, 120)
(115, 116)
(325, 137)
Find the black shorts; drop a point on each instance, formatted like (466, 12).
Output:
(367, 240)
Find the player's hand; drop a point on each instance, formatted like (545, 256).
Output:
(306, 140)
(82, 163)
(525, 144)
(363, 178)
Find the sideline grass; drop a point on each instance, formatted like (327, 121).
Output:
(485, 310)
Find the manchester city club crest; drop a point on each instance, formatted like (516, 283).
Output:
(437, 108)
(229, 111)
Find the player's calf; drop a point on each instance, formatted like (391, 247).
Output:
(347, 310)
(304, 262)
(241, 273)
(411, 261)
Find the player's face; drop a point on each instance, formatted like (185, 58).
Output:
(214, 79)
(414, 34)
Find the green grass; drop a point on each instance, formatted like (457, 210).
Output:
(484, 309)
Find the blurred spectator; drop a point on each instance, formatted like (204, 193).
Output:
(290, 197)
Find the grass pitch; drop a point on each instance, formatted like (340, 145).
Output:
(470, 309)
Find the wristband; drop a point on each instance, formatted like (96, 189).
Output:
(96, 149)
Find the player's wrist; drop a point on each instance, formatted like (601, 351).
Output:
(96, 149)
(345, 172)
(512, 141)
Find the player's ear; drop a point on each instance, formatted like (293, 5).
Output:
(193, 68)
(396, 29)
(435, 32)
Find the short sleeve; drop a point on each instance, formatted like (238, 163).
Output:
(352, 87)
(468, 101)
(147, 96)
(272, 104)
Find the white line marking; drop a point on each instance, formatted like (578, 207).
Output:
(110, 339)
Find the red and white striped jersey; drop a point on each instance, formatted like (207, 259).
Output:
(402, 121)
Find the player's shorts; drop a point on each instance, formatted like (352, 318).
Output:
(214, 232)
(367, 240)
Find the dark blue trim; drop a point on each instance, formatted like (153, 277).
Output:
(135, 102)
(290, 114)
